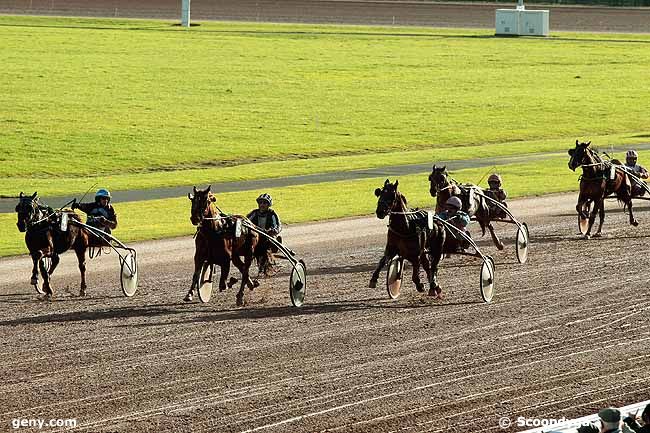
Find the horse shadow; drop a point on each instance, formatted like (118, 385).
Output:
(261, 312)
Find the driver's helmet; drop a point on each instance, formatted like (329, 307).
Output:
(102, 193)
(631, 156)
(494, 180)
(454, 202)
(265, 198)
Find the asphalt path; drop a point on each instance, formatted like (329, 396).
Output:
(8, 205)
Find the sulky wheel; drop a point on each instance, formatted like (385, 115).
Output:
(394, 277)
(205, 283)
(298, 284)
(522, 242)
(129, 273)
(487, 279)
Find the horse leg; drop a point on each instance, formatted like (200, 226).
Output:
(436, 247)
(601, 218)
(580, 206)
(495, 238)
(81, 258)
(244, 269)
(47, 288)
(196, 277)
(382, 262)
(55, 262)
(36, 258)
(592, 217)
(375, 274)
(633, 221)
(424, 261)
(244, 276)
(225, 271)
(415, 262)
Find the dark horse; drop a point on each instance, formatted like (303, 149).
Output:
(217, 243)
(442, 188)
(409, 236)
(44, 239)
(599, 179)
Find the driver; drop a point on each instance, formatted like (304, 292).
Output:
(452, 213)
(101, 213)
(496, 192)
(265, 218)
(631, 158)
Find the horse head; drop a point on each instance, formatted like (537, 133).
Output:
(202, 200)
(438, 180)
(27, 210)
(388, 198)
(580, 155)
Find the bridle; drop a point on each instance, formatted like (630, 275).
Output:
(34, 213)
(441, 185)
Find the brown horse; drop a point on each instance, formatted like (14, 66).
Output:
(409, 236)
(217, 243)
(442, 187)
(44, 239)
(599, 179)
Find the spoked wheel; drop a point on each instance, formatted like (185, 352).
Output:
(487, 279)
(394, 277)
(583, 223)
(522, 243)
(129, 273)
(298, 283)
(47, 261)
(205, 284)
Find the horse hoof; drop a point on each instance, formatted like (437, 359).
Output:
(634, 223)
(373, 284)
(82, 293)
(586, 237)
(435, 292)
(500, 247)
(222, 288)
(598, 235)
(240, 301)
(419, 287)
(188, 298)
(34, 281)
(256, 284)
(231, 282)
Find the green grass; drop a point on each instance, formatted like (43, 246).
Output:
(138, 104)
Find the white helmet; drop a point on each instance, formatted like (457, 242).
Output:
(455, 202)
(631, 154)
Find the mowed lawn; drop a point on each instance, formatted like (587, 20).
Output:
(139, 104)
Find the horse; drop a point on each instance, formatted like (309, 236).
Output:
(442, 187)
(599, 179)
(44, 239)
(217, 243)
(409, 236)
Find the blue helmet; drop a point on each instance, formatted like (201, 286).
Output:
(102, 193)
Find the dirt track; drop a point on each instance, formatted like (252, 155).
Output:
(409, 13)
(566, 334)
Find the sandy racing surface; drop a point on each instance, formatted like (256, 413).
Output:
(566, 334)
